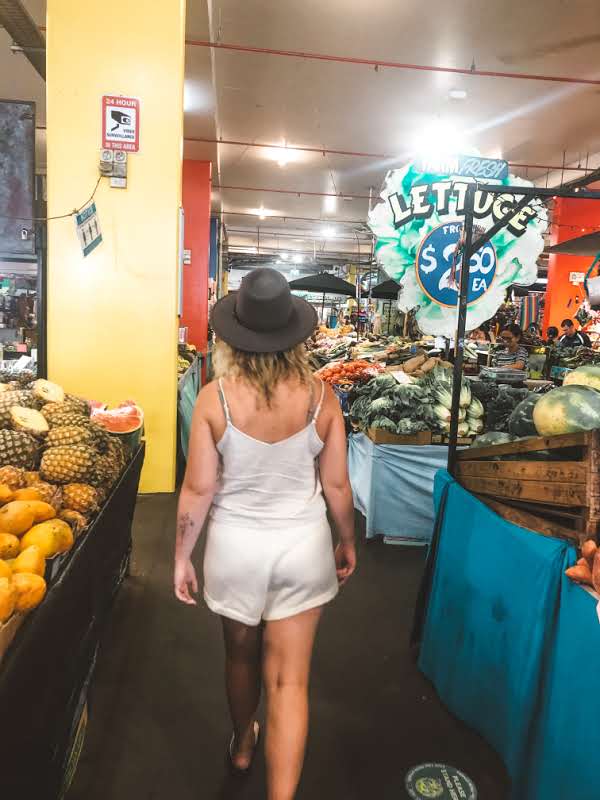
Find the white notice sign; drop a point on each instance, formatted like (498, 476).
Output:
(120, 123)
(88, 228)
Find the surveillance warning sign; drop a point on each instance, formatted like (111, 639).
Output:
(120, 123)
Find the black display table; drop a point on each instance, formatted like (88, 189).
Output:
(45, 674)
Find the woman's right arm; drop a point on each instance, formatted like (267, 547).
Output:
(336, 486)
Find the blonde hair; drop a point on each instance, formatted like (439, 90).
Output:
(262, 371)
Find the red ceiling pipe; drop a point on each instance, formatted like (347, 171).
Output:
(327, 221)
(325, 150)
(291, 191)
(371, 62)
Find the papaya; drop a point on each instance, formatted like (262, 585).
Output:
(8, 598)
(9, 545)
(52, 537)
(6, 493)
(16, 517)
(30, 560)
(27, 494)
(5, 570)
(30, 590)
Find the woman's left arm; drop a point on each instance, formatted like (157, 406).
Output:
(195, 499)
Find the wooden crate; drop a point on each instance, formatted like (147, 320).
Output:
(555, 497)
(379, 436)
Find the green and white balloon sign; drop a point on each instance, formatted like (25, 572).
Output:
(419, 222)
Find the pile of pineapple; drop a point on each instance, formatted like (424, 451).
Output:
(56, 468)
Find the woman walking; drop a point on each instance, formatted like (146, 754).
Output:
(267, 457)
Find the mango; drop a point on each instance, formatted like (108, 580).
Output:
(9, 545)
(5, 570)
(27, 494)
(41, 510)
(16, 517)
(31, 560)
(30, 590)
(6, 493)
(8, 598)
(52, 537)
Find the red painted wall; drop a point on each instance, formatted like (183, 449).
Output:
(563, 298)
(196, 207)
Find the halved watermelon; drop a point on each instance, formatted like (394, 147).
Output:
(126, 421)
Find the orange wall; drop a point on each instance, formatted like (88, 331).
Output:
(196, 206)
(562, 297)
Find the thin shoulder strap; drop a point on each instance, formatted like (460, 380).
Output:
(318, 408)
(224, 400)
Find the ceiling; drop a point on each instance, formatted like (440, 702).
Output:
(256, 97)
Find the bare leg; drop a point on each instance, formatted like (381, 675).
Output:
(287, 651)
(243, 645)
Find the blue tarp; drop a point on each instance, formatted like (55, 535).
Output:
(513, 647)
(393, 487)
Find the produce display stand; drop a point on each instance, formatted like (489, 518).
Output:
(47, 670)
(511, 646)
(392, 485)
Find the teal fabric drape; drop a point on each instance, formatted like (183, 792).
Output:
(512, 648)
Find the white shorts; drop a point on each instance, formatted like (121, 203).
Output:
(266, 573)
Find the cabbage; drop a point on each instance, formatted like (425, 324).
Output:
(463, 429)
(475, 426)
(465, 395)
(443, 396)
(441, 412)
(475, 410)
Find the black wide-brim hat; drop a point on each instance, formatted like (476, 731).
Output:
(263, 316)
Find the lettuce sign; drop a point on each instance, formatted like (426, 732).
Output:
(419, 223)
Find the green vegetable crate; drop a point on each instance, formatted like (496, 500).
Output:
(546, 484)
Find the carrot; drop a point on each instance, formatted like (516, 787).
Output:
(580, 574)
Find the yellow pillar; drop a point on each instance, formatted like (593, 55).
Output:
(112, 316)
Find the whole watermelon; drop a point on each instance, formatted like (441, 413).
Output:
(520, 422)
(588, 375)
(491, 438)
(567, 410)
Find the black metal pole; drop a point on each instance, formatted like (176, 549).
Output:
(459, 341)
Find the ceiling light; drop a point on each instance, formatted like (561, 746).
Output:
(457, 94)
(439, 138)
(328, 233)
(285, 256)
(330, 204)
(298, 259)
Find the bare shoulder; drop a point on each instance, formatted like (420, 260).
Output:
(208, 399)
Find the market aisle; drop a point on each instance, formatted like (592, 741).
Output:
(158, 726)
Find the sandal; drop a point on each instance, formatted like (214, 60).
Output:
(243, 770)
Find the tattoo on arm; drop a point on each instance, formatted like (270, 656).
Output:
(184, 524)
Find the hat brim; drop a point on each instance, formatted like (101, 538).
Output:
(299, 327)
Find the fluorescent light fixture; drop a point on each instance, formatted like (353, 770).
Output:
(328, 232)
(330, 204)
(457, 94)
(297, 259)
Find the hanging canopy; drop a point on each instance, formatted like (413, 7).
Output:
(388, 290)
(588, 245)
(323, 283)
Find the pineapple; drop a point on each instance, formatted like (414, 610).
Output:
(13, 477)
(31, 477)
(10, 399)
(70, 434)
(80, 497)
(68, 418)
(67, 464)
(102, 437)
(105, 472)
(78, 404)
(28, 420)
(47, 392)
(17, 450)
(49, 493)
(77, 521)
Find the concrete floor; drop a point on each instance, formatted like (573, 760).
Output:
(158, 724)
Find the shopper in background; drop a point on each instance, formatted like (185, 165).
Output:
(551, 335)
(267, 457)
(515, 355)
(572, 337)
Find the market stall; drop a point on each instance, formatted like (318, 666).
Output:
(325, 284)
(524, 652)
(69, 473)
